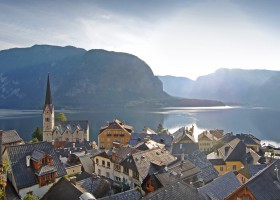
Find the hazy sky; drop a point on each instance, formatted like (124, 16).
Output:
(182, 38)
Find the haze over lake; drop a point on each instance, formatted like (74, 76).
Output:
(262, 122)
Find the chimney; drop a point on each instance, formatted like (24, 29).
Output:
(73, 145)
(53, 142)
(28, 160)
(180, 146)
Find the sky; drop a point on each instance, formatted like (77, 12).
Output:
(187, 38)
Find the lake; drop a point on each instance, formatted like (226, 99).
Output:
(263, 122)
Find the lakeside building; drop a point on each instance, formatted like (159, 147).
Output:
(206, 141)
(115, 131)
(34, 167)
(61, 132)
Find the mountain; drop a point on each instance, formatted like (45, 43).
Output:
(80, 79)
(235, 86)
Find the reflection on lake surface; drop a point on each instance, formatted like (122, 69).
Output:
(262, 122)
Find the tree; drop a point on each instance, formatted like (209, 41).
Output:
(61, 117)
(30, 197)
(160, 128)
(37, 134)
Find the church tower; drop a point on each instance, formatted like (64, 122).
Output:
(48, 114)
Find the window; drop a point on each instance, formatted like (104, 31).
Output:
(125, 170)
(221, 169)
(108, 140)
(97, 161)
(122, 140)
(117, 167)
(233, 167)
(47, 119)
(108, 164)
(135, 175)
(99, 171)
(108, 174)
(108, 146)
(103, 163)
(102, 139)
(117, 178)
(127, 140)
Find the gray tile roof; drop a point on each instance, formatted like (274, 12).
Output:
(181, 170)
(265, 185)
(10, 137)
(98, 187)
(72, 125)
(220, 187)
(163, 138)
(37, 155)
(250, 170)
(199, 159)
(133, 194)
(248, 139)
(123, 152)
(63, 189)
(178, 191)
(87, 163)
(142, 161)
(45, 170)
(25, 176)
(187, 148)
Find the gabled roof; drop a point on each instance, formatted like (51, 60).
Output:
(87, 163)
(63, 189)
(183, 136)
(133, 194)
(265, 184)
(199, 159)
(123, 152)
(143, 161)
(162, 138)
(250, 170)
(181, 170)
(248, 139)
(220, 187)
(45, 170)
(25, 176)
(207, 135)
(10, 137)
(99, 187)
(72, 126)
(186, 148)
(117, 124)
(37, 155)
(228, 137)
(150, 144)
(178, 191)
(235, 150)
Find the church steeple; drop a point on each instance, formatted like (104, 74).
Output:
(48, 99)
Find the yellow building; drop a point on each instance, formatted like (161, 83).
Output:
(115, 131)
(232, 157)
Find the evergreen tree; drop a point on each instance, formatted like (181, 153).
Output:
(37, 134)
(160, 128)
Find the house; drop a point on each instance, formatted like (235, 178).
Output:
(220, 188)
(34, 167)
(178, 149)
(178, 191)
(63, 189)
(218, 133)
(148, 144)
(10, 137)
(208, 172)
(183, 170)
(162, 138)
(264, 185)
(244, 174)
(115, 131)
(139, 166)
(206, 141)
(61, 132)
(184, 135)
(232, 157)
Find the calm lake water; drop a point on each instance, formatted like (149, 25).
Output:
(262, 122)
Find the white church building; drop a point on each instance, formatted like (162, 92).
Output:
(67, 131)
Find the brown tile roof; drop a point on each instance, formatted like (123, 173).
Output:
(118, 125)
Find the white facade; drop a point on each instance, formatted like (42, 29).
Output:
(48, 122)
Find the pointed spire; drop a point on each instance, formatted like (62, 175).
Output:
(48, 100)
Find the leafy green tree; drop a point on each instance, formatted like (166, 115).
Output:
(2, 194)
(38, 134)
(34, 140)
(160, 128)
(61, 117)
(31, 197)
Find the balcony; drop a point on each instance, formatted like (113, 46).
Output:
(109, 134)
